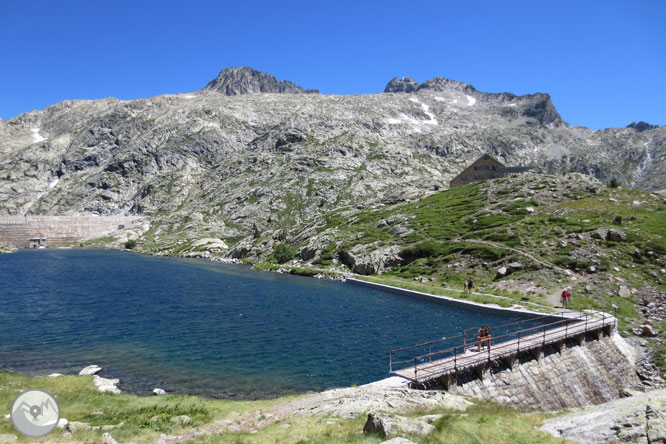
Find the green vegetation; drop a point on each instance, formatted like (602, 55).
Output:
(283, 253)
(144, 419)
(130, 244)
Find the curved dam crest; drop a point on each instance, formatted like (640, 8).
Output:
(52, 230)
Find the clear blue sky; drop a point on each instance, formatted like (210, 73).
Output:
(602, 62)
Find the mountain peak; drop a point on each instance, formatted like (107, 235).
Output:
(245, 80)
(407, 85)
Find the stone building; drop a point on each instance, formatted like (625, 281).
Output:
(484, 168)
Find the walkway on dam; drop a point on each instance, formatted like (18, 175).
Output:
(439, 364)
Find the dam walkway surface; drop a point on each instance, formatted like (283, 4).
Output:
(468, 353)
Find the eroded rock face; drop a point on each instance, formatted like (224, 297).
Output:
(637, 419)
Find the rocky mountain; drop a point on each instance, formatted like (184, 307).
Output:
(244, 80)
(227, 162)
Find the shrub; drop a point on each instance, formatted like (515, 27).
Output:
(614, 183)
(130, 244)
(283, 253)
(422, 249)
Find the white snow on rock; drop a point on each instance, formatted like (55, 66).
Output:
(36, 137)
(470, 100)
(417, 124)
(53, 183)
(189, 96)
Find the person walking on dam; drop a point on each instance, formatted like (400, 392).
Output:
(565, 298)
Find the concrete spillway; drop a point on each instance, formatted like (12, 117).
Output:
(18, 230)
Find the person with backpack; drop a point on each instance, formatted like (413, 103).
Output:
(565, 298)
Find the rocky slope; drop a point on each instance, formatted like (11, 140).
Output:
(265, 158)
(638, 419)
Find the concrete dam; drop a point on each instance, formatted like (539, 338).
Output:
(34, 231)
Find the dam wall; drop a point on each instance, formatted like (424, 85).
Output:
(578, 374)
(18, 230)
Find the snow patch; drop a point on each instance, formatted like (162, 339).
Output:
(432, 120)
(441, 99)
(189, 96)
(53, 183)
(417, 124)
(36, 137)
(470, 100)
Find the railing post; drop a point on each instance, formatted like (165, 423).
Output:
(544, 335)
(430, 352)
(518, 343)
(464, 341)
(415, 368)
(455, 358)
(390, 362)
(585, 322)
(566, 330)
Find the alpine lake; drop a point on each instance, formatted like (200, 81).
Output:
(196, 327)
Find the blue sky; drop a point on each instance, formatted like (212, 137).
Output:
(602, 62)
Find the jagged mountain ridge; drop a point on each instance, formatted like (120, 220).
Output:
(245, 80)
(255, 163)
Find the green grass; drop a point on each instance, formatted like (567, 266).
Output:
(487, 422)
(79, 401)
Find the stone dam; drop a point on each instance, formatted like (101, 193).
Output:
(52, 230)
(593, 371)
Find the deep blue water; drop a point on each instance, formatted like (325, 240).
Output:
(201, 328)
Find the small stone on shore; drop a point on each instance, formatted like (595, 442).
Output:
(90, 370)
(159, 391)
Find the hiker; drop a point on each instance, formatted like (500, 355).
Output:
(470, 285)
(465, 286)
(565, 298)
(483, 336)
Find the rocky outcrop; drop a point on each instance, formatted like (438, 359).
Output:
(387, 425)
(402, 85)
(244, 80)
(355, 401)
(638, 419)
(364, 260)
(641, 126)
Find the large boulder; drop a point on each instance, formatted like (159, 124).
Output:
(616, 235)
(372, 261)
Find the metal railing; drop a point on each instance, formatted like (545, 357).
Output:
(504, 345)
